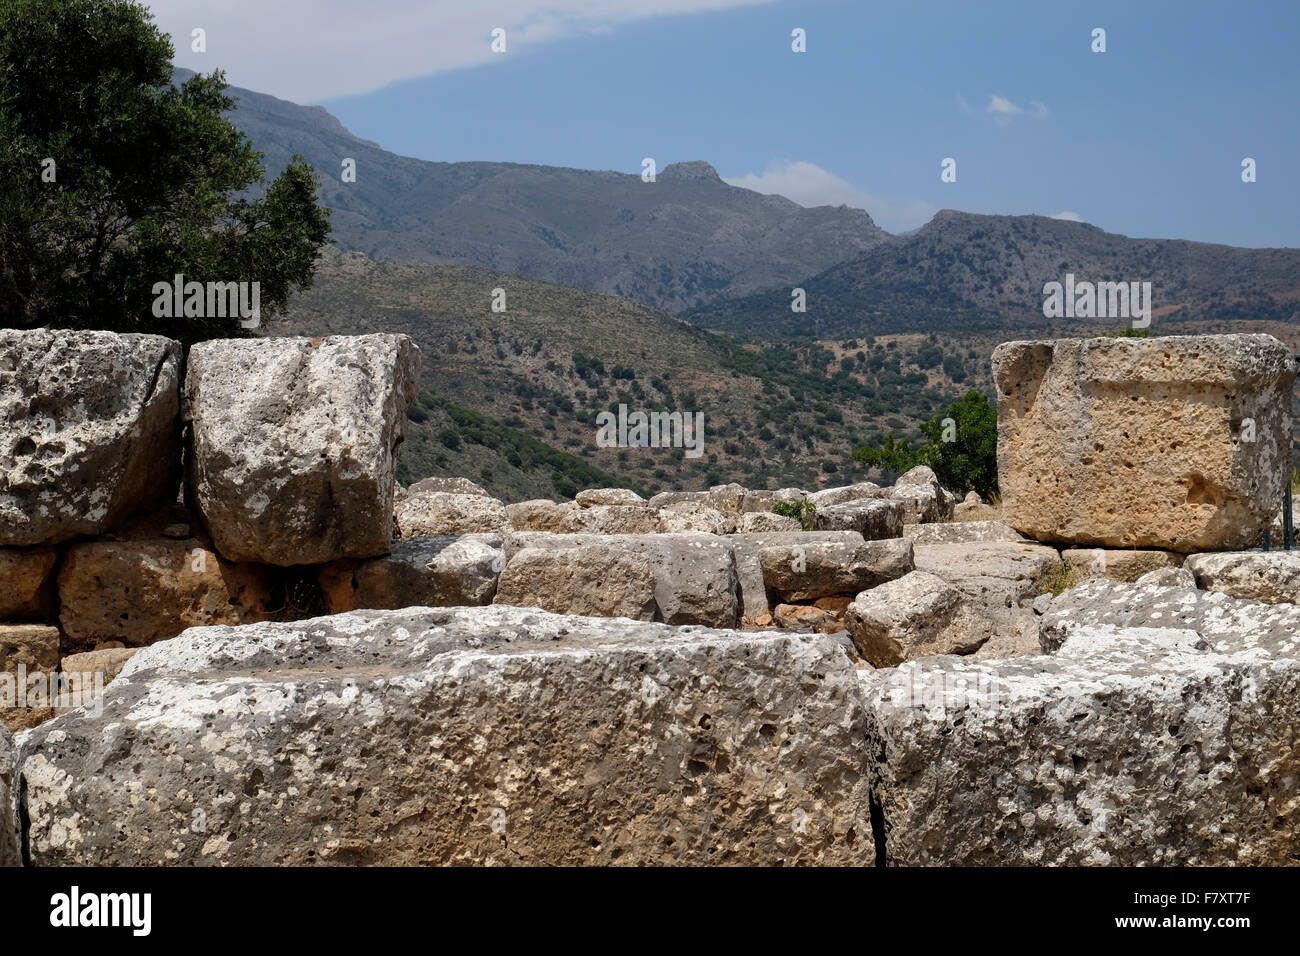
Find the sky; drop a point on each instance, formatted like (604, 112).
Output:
(1145, 139)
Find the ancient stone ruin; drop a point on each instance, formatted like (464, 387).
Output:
(272, 654)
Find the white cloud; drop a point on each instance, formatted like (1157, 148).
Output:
(1003, 110)
(810, 185)
(308, 52)
(1000, 105)
(1070, 216)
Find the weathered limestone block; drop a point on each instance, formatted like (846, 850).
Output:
(924, 499)
(444, 571)
(873, 519)
(729, 498)
(89, 431)
(1272, 577)
(1015, 633)
(665, 498)
(612, 583)
(1227, 624)
(81, 669)
(439, 513)
(26, 582)
(615, 519)
(1118, 564)
(811, 569)
(1169, 577)
(1125, 442)
(682, 516)
(974, 508)
(1129, 747)
(762, 500)
(960, 532)
(542, 514)
(695, 577)
(293, 441)
(143, 590)
(455, 486)
(748, 546)
(914, 616)
(570, 518)
(607, 496)
(752, 522)
(34, 646)
(861, 491)
(998, 573)
(461, 736)
(81, 680)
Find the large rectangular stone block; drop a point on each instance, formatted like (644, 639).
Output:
(1177, 442)
(292, 444)
(692, 575)
(1129, 747)
(89, 431)
(142, 590)
(491, 735)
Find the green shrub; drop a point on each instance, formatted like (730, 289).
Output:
(1058, 578)
(802, 511)
(967, 463)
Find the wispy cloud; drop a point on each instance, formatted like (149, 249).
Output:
(1069, 216)
(341, 47)
(1004, 111)
(810, 185)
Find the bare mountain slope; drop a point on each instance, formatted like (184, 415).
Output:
(686, 239)
(963, 270)
(543, 369)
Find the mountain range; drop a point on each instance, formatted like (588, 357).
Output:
(679, 242)
(963, 271)
(592, 263)
(727, 258)
(510, 398)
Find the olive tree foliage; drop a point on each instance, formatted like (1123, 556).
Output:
(115, 180)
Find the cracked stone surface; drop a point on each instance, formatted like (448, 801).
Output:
(293, 442)
(490, 735)
(1227, 623)
(89, 431)
(692, 575)
(1272, 577)
(1130, 746)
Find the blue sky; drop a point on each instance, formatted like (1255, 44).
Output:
(1146, 139)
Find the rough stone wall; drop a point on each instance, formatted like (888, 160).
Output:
(906, 690)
